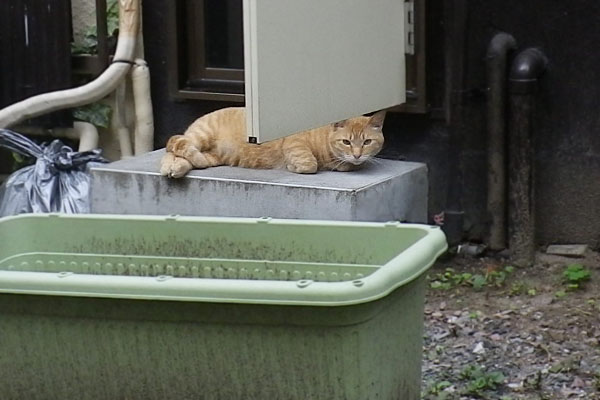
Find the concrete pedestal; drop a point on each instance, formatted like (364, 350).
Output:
(383, 191)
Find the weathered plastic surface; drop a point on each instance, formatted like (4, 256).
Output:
(107, 307)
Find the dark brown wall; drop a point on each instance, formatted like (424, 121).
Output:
(35, 54)
(567, 134)
(43, 65)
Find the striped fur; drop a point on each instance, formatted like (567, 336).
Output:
(219, 138)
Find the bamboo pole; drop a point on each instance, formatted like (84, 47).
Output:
(144, 121)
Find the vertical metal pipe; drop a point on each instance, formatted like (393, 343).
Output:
(521, 197)
(497, 74)
(456, 18)
(526, 69)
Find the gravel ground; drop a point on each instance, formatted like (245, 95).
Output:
(494, 332)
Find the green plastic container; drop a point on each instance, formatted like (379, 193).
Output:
(125, 307)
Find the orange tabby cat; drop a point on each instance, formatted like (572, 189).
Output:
(219, 138)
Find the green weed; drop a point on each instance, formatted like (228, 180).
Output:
(450, 279)
(98, 114)
(567, 365)
(519, 288)
(437, 391)
(89, 45)
(575, 275)
(480, 380)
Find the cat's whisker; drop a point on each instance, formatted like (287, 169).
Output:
(373, 160)
(340, 162)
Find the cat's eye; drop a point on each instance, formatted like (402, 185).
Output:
(346, 142)
(367, 142)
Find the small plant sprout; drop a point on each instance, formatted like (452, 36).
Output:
(479, 380)
(575, 275)
(560, 294)
(450, 278)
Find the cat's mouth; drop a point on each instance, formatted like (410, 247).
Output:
(356, 161)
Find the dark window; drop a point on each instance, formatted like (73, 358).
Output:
(207, 50)
(223, 37)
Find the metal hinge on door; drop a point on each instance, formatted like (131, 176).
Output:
(409, 27)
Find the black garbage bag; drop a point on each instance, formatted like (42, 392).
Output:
(59, 181)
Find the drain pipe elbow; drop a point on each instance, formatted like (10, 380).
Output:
(88, 135)
(525, 71)
(84, 132)
(500, 45)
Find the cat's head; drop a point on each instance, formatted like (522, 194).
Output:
(357, 140)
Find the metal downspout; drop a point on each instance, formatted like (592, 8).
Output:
(456, 17)
(526, 69)
(496, 65)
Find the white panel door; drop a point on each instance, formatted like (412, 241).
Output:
(312, 62)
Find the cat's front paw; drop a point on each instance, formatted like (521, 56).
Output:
(173, 166)
(305, 168)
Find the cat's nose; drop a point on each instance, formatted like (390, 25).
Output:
(357, 156)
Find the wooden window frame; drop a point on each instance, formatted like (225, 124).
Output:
(94, 64)
(187, 62)
(416, 84)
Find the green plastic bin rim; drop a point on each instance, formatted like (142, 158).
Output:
(400, 270)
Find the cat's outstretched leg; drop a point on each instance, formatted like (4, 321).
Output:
(182, 146)
(173, 166)
(300, 159)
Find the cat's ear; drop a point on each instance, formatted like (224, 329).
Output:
(339, 124)
(377, 119)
